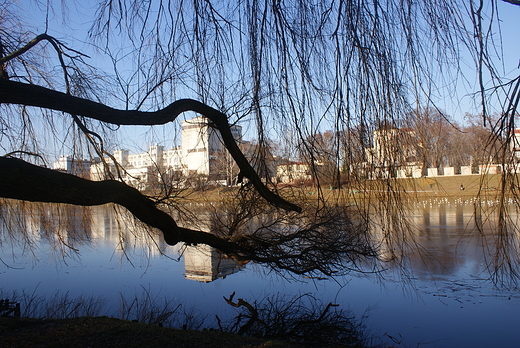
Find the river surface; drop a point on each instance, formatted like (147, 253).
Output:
(442, 298)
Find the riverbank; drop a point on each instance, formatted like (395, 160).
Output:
(458, 187)
(110, 332)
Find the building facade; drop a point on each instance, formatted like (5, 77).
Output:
(394, 153)
(201, 155)
(203, 150)
(70, 165)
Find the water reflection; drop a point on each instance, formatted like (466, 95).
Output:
(450, 239)
(446, 240)
(116, 225)
(202, 263)
(34, 222)
(448, 259)
(205, 264)
(442, 239)
(66, 228)
(466, 238)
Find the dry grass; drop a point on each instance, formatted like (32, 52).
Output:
(109, 332)
(416, 188)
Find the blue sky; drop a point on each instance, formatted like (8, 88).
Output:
(78, 18)
(508, 46)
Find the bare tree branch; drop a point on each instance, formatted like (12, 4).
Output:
(514, 2)
(12, 92)
(25, 181)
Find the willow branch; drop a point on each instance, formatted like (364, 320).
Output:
(13, 92)
(33, 43)
(514, 2)
(28, 182)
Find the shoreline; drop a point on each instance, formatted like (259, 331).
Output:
(83, 332)
(408, 189)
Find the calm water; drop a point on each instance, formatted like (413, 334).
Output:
(444, 299)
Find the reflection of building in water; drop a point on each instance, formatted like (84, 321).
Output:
(106, 224)
(205, 264)
(424, 233)
(445, 240)
(115, 224)
(61, 223)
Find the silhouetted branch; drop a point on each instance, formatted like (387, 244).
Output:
(323, 242)
(302, 319)
(254, 313)
(514, 2)
(31, 44)
(25, 181)
(12, 92)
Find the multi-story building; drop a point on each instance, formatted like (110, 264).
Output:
(291, 172)
(202, 155)
(393, 153)
(70, 165)
(203, 151)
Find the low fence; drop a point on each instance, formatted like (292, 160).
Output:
(7, 308)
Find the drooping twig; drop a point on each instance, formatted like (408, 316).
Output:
(31, 44)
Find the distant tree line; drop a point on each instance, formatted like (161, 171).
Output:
(437, 141)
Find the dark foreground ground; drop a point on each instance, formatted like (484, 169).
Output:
(110, 332)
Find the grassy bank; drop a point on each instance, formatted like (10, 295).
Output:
(451, 186)
(411, 189)
(110, 332)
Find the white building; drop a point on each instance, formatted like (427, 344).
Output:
(142, 169)
(203, 150)
(393, 153)
(202, 153)
(515, 142)
(205, 264)
(70, 165)
(293, 171)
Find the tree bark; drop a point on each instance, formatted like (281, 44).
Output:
(13, 92)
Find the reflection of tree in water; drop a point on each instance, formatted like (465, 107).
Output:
(65, 227)
(453, 236)
(68, 228)
(111, 223)
(326, 242)
(385, 78)
(319, 241)
(442, 239)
